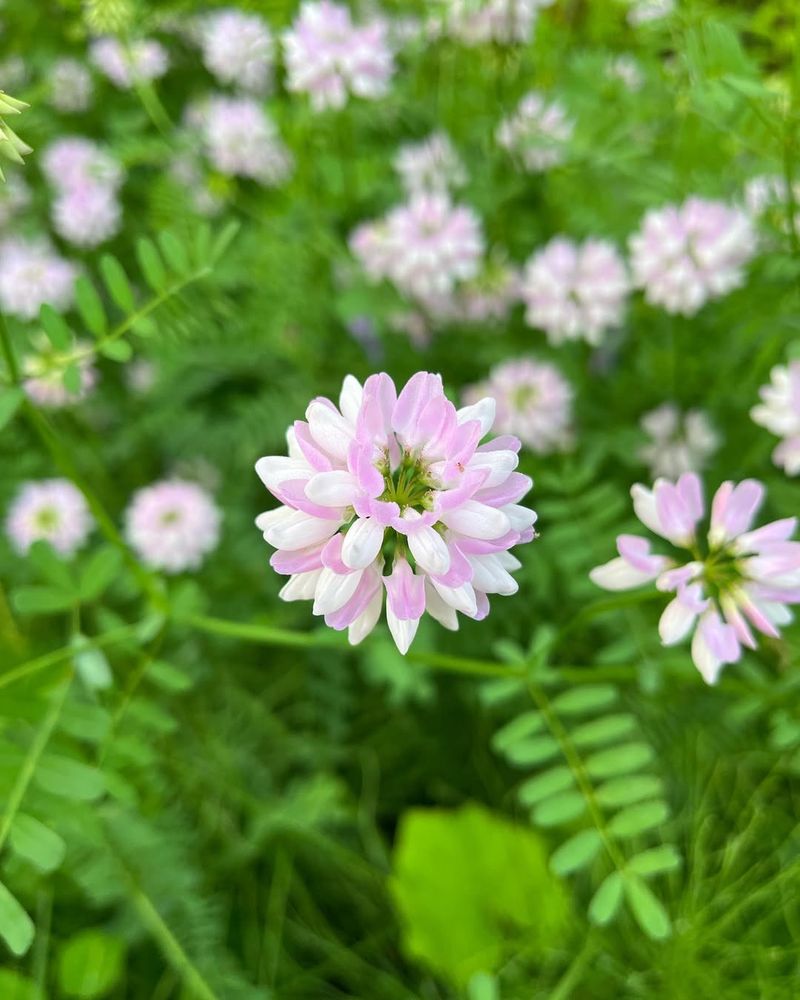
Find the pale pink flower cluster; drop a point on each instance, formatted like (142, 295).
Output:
(779, 412)
(125, 65)
(685, 255)
(432, 165)
(393, 492)
(477, 22)
(536, 133)
(679, 442)
(32, 273)
(424, 247)
(172, 525)
(14, 196)
(645, 11)
(87, 179)
(328, 56)
(534, 402)
(238, 49)
(49, 510)
(575, 291)
(71, 86)
(43, 382)
(734, 579)
(242, 141)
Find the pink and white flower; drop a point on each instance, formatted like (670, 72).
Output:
(86, 211)
(432, 165)
(575, 291)
(534, 402)
(172, 525)
(537, 133)
(686, 255)
(476, 22)
(32, 273)
(74, 161)
(424, 247)
(238, 48)
(733, 580)
(126, 64)
(242, 141)
(328, 56)
(394, 492)
(679, 442)
(779, 412)
(50, 510)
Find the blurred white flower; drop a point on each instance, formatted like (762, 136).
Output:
(32, 273)
(536, 133)
(238, 49)
(172, 525)
(779, 412)
(432, 165)
(50, 510)
(125, 65)
(679, 442)
(71, 86)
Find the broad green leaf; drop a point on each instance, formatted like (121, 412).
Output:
(174, 252)
(117, 283)
(36, 843)
(51, 566)
(10, 401)
(619, 760)
(116, 350)
(69, 779)
(483, 987)
(16, 927)
(90, 964)
(665, 858)
(86, 722)
(15, 986)
(647, 908)
(603, 730)
(151, 716)
(536, 750)
(557, 779)
(559, 809)
(90, 307)
(99, 572)
(168, 677)
(606, 900)
(55, 326)
(624, 791)
(91, 664)
(145, 326)
(577, 852)
(469, 885)
(224, 239)
(639, 818)
(44, 600)
(579, 700)
(526, 724)
(151, 264)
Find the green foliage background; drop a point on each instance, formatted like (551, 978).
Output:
(205, 798)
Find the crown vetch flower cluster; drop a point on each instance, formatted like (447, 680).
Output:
(394, 492)
(735, 580)
(32, 273)
(241, 140)
(328, 56)
(685, 255)
(172, 525)
(238, 48)
(503, 21)
(779, 412)
(70, 86)
(679, 442)
(86, 179)
(574, 291)
(536, 133)
(430, 165)
(50, 510)
(534, 402)
(125, 65)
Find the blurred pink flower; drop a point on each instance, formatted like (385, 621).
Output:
(393, 492)
(779, 412)
(733, 580)
(73, 161)
(125, 65)
(534, 402)
(685, 255)
(679, 442)
(172, 525)
(424, 247)
(432, 165)
(238, 48)
(31, 273)
(50, 510)
(241, 140)
(537, 133)
(575, 291)
(327, 55)
(87, 215)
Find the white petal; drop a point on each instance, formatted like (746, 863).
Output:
(330, 430)
(367, 620)
(483, 411)
(499, 463)
(430, 551)
(273, 470)
(676, 622)
(477, 520)
(362, 543)
(332, 489)
(618, 575)
(439, 609)
(490, 577)
(350, 398)
(521, 518)
(705, 661)
(295, 530)
(403, 631)
(334, 590)
(460, 598)
(300, 586)
(644, 505)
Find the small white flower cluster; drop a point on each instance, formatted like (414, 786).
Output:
(71, 86)
(679, 442)
(86, 211)
(129, 64)
(779, 412)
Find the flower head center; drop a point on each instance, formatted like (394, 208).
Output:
(46, 518)
(409, 485)
(722, 572)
